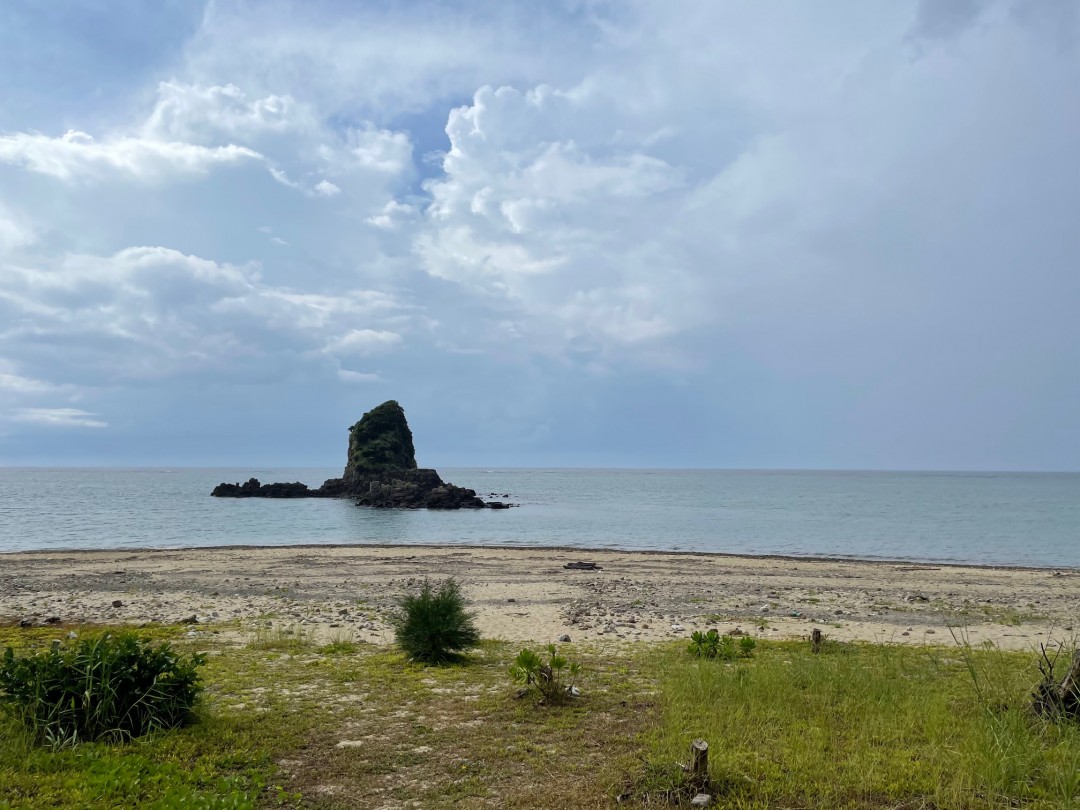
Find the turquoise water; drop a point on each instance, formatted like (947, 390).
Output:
(990, 518)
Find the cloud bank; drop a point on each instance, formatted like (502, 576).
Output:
(604, 233)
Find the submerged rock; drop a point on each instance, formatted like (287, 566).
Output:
(380, 471)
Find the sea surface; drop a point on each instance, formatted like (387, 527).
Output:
(1028, 519)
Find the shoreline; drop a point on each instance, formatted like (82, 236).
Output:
(523, 593)
(891, 561)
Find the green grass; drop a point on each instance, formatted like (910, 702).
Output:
(350, 725)
(343, 725)
(864, 726)
(293, 638)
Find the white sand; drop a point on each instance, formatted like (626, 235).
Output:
(527, 594)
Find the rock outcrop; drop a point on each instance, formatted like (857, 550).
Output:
(380, 471)
(380, 442)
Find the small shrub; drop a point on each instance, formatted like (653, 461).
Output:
(714, 645)
(555, 678)
(434, 626)
(109, 687)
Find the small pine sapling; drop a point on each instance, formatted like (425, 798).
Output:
(435, 626)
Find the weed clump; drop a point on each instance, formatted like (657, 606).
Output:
(434, 626)
(112, 687)
(555, 678)
(725, 648)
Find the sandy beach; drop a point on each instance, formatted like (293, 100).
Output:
(529, 595)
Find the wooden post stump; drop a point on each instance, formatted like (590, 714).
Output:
(816, 639)
(699, 761)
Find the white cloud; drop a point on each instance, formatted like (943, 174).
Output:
(59, 417)
(78, 155)
(363, 342)
(546, 201)
(15, 384)
(193, 112)
(14, 231)
(392, 59)
(379, 149)
(153, 312)
(695, 188)
(393, 215)
(345, 375)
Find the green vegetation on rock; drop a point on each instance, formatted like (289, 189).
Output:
(381, 441)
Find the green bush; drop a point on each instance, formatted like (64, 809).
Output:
(110, 687)
(434, 626)
(555, 677)
(713, 645)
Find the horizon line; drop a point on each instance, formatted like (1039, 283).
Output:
(582, 468)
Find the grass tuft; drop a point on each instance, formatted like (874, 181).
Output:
(104, 687)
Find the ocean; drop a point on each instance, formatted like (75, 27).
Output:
(1021, 519)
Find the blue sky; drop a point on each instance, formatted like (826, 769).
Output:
(570, 233)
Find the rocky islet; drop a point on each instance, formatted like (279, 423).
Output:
(380, 471)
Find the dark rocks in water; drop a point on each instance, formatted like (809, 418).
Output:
(414, 489)
(253, 489)
(380, 471)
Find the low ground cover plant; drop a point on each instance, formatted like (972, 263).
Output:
(108, 687)
(554, 677)
(434, 625)
(725, 648)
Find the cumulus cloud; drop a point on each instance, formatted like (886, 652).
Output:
(392, 215)
(378, 149)
(194, 128)
(546, 204)
(796, 226)
(153, 312)
(193, 112)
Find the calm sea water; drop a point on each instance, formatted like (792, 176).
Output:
(991, 518)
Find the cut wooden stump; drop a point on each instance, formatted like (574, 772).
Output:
(817, 638)
(699, 761)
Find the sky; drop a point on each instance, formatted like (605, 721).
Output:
(574, 233)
